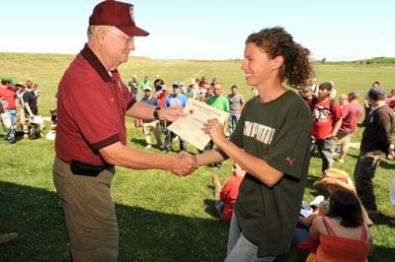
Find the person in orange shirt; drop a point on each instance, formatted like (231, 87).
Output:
(342, 233)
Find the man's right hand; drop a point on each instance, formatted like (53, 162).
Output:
(184, 164)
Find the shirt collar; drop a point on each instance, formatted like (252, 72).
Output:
(378, 106)
(92, 59)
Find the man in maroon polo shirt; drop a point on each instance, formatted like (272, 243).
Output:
(91, 136)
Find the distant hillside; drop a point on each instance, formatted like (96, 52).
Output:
(375, 60)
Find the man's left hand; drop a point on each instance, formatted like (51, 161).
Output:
(171, 113)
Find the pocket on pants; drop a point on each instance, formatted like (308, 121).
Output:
(248, 243)
(367, 166)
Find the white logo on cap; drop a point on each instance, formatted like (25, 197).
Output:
(131, 13)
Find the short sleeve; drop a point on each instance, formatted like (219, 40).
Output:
(96, 118)
(290, 149)
(237, 136)
(337, 112)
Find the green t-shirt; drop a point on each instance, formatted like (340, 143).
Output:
(220, 102)
(145, 85)
(278, 132)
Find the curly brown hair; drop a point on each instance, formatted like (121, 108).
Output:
(276, 41)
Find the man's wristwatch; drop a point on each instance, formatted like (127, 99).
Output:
(157, 113)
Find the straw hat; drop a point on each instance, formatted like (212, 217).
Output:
(336, 178)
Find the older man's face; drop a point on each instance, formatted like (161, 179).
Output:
(117, 45)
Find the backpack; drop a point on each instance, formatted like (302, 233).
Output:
(331, 104)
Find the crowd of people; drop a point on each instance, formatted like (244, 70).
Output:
(270, 139)
(335, 123)
(157, 94)
(19, 103)
(341, 230)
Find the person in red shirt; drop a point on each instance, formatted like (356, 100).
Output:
(327, 119)
(226, 195)
(352, 112)
(91, 135)
(390, 100)
(8, 101)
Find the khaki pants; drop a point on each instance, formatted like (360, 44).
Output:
(150, 127)
(89, 214)
(22, 124)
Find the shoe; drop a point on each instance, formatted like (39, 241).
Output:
(317, 201)
(148, 146)
(165, 150)
(7, 237)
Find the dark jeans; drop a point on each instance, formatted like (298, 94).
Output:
(363, 175)
(209, 147)
(233, 119)
(9, 122)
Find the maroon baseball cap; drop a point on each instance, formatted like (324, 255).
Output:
(116, 14)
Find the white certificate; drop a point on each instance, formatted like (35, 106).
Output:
(189, 127)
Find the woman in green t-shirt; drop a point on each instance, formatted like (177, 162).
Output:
(271, 142)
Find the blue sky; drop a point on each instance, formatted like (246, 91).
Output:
(216, 29)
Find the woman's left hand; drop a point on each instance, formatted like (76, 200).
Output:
(215, 130)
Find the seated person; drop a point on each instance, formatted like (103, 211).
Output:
(334, 180)
(341, 233)
(226, 196)
(338, 179)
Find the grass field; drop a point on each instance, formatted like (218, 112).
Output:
(161, 217)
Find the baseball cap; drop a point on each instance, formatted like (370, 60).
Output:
(118, 14)
(353, 94)
(6, 78)
(307, 88)
(20, 85)
(376, 93)
(177, 84)
(147, 88)
(326, 85)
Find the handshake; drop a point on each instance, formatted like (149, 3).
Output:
(184, 164)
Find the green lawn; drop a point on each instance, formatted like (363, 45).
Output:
(161, 217)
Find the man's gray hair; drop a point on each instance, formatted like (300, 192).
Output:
(93, 28)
